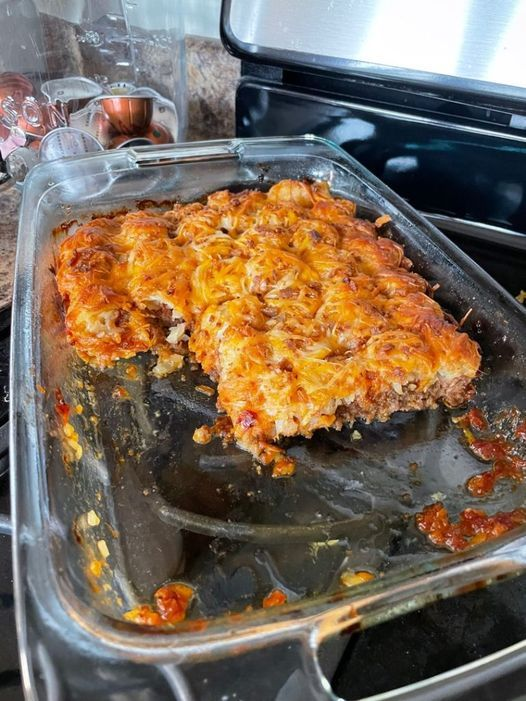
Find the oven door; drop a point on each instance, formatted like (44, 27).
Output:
(468, 178)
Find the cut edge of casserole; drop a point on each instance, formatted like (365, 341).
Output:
(304, 315)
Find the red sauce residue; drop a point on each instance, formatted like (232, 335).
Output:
(491, 449)
(144, 615)
(172, 601)
(171, 604)
(63, 410)
(474, 526)
(508, 468)
(473, 419)
(120, 393)
(499, 444)
(275, 598)
(520, 431)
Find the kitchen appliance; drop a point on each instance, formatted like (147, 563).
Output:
(444, 127)
(432, 99)
(158, 513)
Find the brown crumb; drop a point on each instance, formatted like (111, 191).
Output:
(283, 467)
(202, 435)
(205, 389)
(381, 221)
(352, 579)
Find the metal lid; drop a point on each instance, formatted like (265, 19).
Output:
(462, 45)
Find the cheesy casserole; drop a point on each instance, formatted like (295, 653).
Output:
(302, 313)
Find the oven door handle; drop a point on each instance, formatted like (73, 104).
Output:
(194, 153)
(480, 231)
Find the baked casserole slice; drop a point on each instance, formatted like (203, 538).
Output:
(302, 313)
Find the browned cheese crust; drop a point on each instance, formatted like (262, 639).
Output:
(302, 313)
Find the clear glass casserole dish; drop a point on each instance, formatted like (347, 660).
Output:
(166, 509)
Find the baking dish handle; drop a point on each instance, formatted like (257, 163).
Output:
(288, 669)
(193, 153)
(299, 678)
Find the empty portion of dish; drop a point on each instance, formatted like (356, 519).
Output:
(302, 313)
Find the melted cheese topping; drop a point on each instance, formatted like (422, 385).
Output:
(302, 313)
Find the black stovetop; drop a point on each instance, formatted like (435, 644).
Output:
(10, 685)
(5, 321)
(419, 645)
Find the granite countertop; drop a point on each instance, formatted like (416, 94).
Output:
(9, 204)
(212, 75)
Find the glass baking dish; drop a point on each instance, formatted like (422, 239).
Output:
(167, 509)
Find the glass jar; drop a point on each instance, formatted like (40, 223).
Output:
(112, 68)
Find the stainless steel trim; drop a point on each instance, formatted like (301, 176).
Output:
(462, 43)
(478, 230)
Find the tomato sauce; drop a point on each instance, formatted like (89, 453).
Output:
(63, 410)
(500, 444)
(474, 419)
(171, 604)
(275, 598)
(474, 526)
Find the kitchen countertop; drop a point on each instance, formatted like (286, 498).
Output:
(212, 75)
(9, 203)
